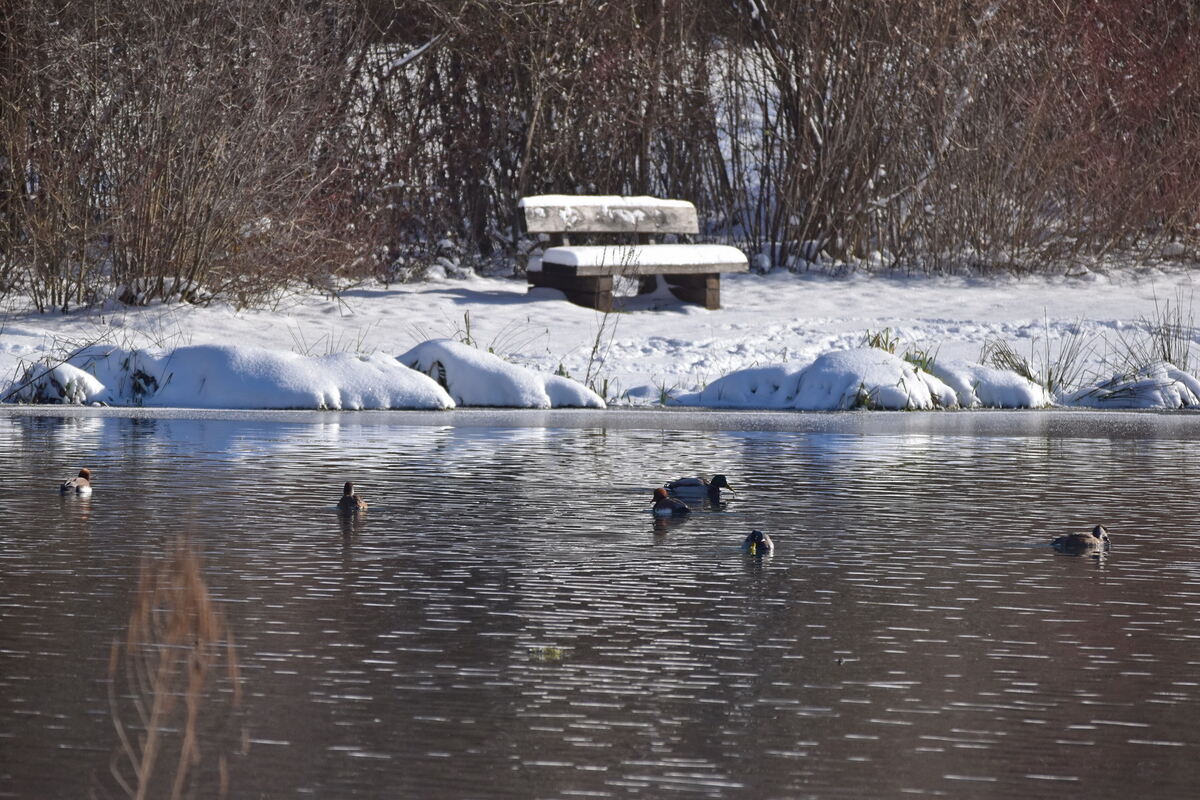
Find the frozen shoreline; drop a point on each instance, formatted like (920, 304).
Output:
(1115, 424)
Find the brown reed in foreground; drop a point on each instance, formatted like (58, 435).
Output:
(174, 687)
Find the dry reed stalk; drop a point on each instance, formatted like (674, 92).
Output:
(167, 695)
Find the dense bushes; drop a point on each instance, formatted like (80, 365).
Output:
(181, 151)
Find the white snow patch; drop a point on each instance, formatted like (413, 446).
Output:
(755, 387)
(60, 384)
(238, 376)
(1159, 385)
(477, 378)
(840, 380)
(980, 386)
(872, 378)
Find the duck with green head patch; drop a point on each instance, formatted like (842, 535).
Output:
(700, 487)
(758, 544)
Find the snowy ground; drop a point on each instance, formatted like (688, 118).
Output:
(636, 357)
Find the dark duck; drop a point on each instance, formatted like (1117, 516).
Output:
(700, 488)
(758, 544)
(350, 502)
(1080, 543)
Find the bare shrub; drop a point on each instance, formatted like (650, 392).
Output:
(184, 151)
(515, 99)
(173, 151)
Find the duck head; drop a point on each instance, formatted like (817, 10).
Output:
(85, 473)
(1101, 533)
(719, 482)
(348, 489)
(660, 494)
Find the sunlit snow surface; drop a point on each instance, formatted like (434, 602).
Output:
(780, 341)
(840, 380)
(474, 377)
(240, 376)
(978, 386)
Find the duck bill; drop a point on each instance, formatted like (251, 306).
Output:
(754, 548)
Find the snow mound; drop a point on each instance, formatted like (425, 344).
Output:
(1158, 385)
(61, 384)
(843, 379)
(754, 387)
(235, 376)
(477, 378)
(979, 386)
(870, 378)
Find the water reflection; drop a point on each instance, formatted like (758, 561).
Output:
(508, 620)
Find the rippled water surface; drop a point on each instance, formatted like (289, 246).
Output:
(508, 621)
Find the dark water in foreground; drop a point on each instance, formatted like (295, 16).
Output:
(507, 621)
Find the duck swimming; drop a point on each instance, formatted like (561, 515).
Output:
(700, 487)
(665, 506)
(350, 502)
(758, 544)
(1080, 543)
(80, 484)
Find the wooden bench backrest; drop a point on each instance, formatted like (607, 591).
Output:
(611, 214)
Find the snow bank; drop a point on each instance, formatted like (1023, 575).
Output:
(843, 379)
(61, 384)
(1159, 385)
(977, 385)
(229, 376)
(870, 378)
(755, 387)
(235, 376)
(477, 378)
(758, 333)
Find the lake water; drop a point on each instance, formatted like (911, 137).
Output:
(509, 621)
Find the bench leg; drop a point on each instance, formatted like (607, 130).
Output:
(589, 291)
(703, 289)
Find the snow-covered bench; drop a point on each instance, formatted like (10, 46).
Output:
(585, 272)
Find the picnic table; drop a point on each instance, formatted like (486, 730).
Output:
(630, 228)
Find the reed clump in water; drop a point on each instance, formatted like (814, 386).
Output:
(174, 687)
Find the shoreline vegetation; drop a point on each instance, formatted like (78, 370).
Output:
(229, 150)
